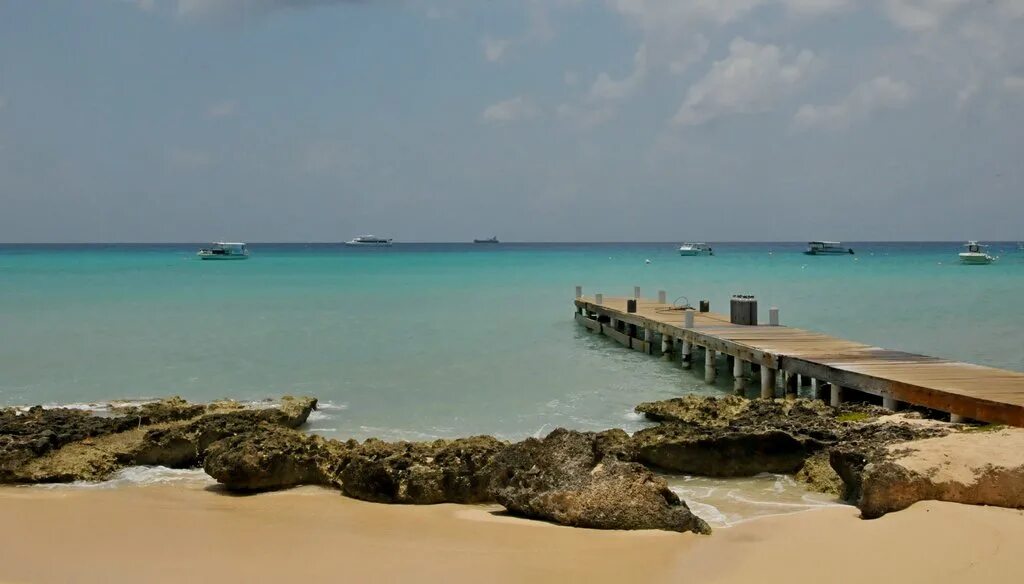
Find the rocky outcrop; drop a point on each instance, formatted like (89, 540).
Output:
(270, 457)
(443, 471)
(722, 452)
(61, 445)
(576, 478)
(979, 468)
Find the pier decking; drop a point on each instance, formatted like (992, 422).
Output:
(787, 358)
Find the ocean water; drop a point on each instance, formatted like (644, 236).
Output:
(435, 340)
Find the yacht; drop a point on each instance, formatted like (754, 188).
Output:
(827, 248)
(488, 240)
(223, 250)
(695, 249)
(370, 241)
(975, 254)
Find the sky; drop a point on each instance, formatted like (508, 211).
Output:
(532, 120)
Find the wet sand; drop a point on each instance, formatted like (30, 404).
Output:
(174, 534)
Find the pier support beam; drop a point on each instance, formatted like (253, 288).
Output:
(835, 395)
(889, 403)
(790, 383)
(816, 389)
(709, 366)
(666, 344)
(768, 382)
(686, 354)
(954, 418)
(739, 378)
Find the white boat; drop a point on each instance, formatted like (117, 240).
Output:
(370, 241)
(695, 249)
(224, 250)
(975, 254)
(827, 248)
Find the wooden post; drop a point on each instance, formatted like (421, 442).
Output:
(836, 395)
(579, 291)
(662, 296)
(636, 291)
(773, 316)
(738, 376)
(598, 298)
(709, 365)
(685, 356)
(768, 382)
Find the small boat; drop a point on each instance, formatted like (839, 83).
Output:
(370, 241)
(488, 240)
(827, 248)
(223, 250)
(975, 255)
(695, 249)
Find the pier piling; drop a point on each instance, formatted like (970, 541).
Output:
(768, 382)
(709, 365)
(738, 376)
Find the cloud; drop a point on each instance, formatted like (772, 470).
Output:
(221, 8)
(587, 117)
(1012, 83)
(188, 159)
(752, 79)
(920, 15)
(607, 88)
(511, 110)
(494, 49)
(222, 109)
(865, 99)
(331, 158)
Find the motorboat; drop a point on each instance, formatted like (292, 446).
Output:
(827, 248)
(695, 249)
(488, 240)
(975, 254)
(224, 250)
(370, 241)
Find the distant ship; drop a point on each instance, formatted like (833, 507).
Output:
(488, 240)
(827, 248)
(975, 254)
(370, 241)
(695, 249)
(224, 250)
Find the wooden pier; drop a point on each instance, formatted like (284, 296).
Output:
(786, 359)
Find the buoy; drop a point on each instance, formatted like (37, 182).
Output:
(647, 261)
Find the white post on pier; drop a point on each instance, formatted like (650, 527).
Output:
(598, 298)
(579, 291)
(709, 365)
(688, 319)
(636, 292)
(662, 296)
(768, 382)
(836, 395)
(738, 375)
(773, 316)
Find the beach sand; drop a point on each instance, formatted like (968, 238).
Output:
(175, 533)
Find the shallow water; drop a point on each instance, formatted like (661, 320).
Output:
(423, 341)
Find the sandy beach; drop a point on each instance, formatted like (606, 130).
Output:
(174, 533)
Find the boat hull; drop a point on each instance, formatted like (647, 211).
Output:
(694, 252)
(367, 244)
(222, 257)
(829, 252)
(976, 259)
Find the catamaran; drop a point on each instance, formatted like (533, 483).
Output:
(695, 249)
(223, 250)
(975, 254)
(488, 240)
(370, 241)
(827, 248)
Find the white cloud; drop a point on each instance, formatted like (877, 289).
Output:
(188, 159)
(690, 55)
(511, 110)
(220, 8)
(920, 15)
(607, 88)
(494, 49)
(1014, 83)
(752, 79)
(865, 99)
(586, 117)
(222, 109)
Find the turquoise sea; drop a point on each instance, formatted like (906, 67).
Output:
(433, 340)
